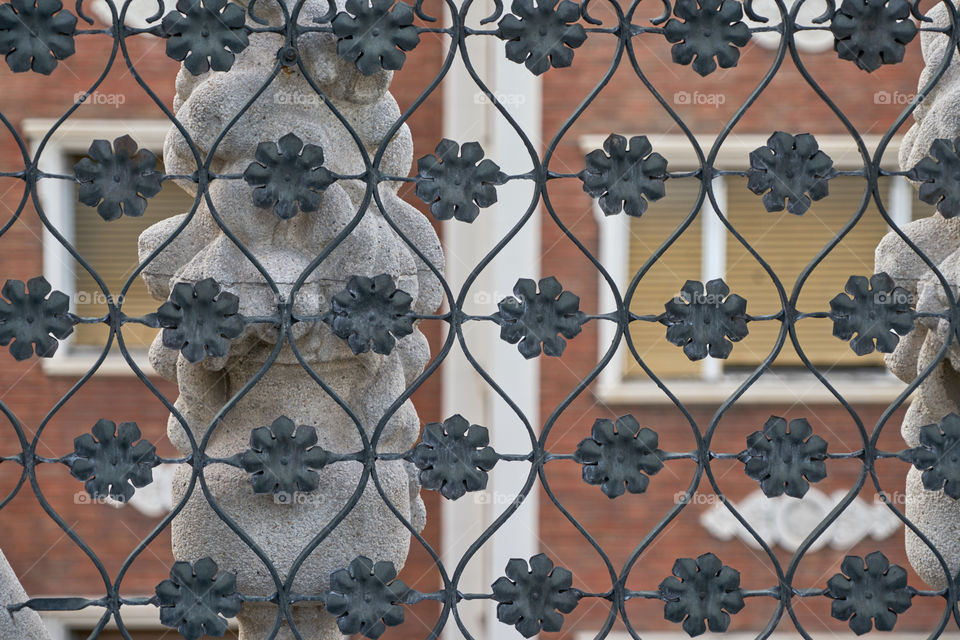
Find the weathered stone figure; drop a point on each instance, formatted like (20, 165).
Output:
(368, 382)
(938, 116)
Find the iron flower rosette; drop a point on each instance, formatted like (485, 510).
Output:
(710, 33)
(625, 177)
(785, 459)
(869, 592)
(366, 597)
(872, 33)
(700, 593)
(937, 456)
(936, 173)
(113, 461)
(197, 599)
(458, 181)
(705, 321)
(205, 34)
(36, 34)
(33, 321)
(118, 181)
(878, 312)
(619, 455)
(542, 35)
(790, 171)
(373, 36)
(533, 600)
(534, 318)
(454, 457)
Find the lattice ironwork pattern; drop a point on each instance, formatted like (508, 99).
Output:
(288, 178)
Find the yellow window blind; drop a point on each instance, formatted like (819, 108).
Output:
(111, 249)
(787, 242)
(663, 280)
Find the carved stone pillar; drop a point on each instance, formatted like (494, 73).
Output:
(280, 476)
(929, 505)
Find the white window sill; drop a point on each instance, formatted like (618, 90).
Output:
(75, 363)
(869, 387)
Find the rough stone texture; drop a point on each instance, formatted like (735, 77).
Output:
(368, 383)
(934, 513)
(24, 624)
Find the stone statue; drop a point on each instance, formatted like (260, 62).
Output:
(938, 116)
(367, 382)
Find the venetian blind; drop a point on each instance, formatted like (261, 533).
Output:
(663, 280)
(111, 249)
(787, 242)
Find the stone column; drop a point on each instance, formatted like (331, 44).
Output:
(285, 236)
(24, 624)
(936, 514)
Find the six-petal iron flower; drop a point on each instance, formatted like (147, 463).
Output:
(876, 311)
(785, 461)
(454, 457)
(625, 178)
(790, 171)
(195, 599)
(35, 34)
(113, 461)
(117, 181)
(205, 34)
(375, 37)
(289, 176)
(533, 599)
(34, 320)
(618, 455)
(876, 592)
(283, 458)
(872, 33)
(705, 322)
(937, 174)
(938, 456)
(701, 592)
(540, 36)
(371, 314)
(710, 29)
(200, 320)
(533, 318)
(458, 181)
(366, 597)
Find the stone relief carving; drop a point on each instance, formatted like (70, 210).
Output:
(786, 522)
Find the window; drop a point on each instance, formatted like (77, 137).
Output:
(109, 247)
(706, 250)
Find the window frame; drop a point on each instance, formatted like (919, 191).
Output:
(613, 387)
(73, 137)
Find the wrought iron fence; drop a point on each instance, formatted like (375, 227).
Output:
(288, 176)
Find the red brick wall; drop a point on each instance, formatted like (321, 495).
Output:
(44, 557)
(50, 563)
(625, 106)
